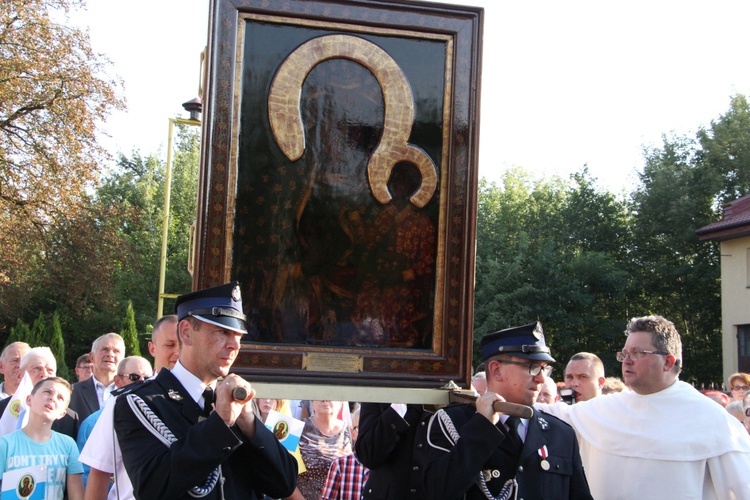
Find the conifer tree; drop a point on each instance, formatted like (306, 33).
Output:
(129, 332)
(57, 345)
(18, 333)
(37, 334)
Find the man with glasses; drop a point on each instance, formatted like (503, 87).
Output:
(663, 439)
(478, 452)
(739, 384)
(98, 453)
(84, 367)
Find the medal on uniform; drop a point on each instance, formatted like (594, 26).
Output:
(543, 453)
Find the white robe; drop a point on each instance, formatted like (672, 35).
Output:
(102, 451)
(676, 443)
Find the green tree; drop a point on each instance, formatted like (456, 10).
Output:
(117, 241)
(18, 333)
(551, 251)
(594, 247)
(53, 95)
(137, 186)
(677, 275)
(57, 345)
(724, 154)
(38, 333)
(55, 249)
(183, 210)
(129, 333)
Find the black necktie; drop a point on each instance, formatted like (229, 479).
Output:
(513, 436)
(208, 400)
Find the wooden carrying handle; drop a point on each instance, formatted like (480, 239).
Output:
(239, 393)
(513, 409)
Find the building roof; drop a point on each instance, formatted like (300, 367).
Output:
(734, 223)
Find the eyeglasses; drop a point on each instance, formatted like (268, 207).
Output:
(740, 388)
(636, 354)
(534, 368)
(134, 377)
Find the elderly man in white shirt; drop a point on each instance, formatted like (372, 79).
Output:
(662, 439)
(10, 367)
(90, 395)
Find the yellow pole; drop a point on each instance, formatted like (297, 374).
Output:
(165, 222)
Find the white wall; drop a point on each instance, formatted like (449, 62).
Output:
(735, 297)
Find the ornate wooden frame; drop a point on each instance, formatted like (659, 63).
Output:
(257, 184)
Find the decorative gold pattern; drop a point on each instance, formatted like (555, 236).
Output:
(285, 113)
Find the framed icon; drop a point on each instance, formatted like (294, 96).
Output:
(338, 185)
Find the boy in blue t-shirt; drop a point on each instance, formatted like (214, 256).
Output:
(38, 444)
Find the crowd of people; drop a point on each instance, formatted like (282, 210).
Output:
(187, 427)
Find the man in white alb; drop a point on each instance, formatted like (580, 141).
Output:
(662, 439)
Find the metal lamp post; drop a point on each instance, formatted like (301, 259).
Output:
(193, 107)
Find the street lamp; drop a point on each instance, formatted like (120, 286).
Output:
(194, 107)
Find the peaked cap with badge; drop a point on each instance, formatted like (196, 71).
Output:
(219, 305)
(525, 341)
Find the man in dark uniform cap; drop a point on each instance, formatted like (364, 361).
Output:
(174, 442)
(481, 453)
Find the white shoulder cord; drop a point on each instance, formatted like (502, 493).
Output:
(450, 432)
(447, 428)
(154, 425)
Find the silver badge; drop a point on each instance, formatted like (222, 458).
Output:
(538, 332)
(544, 464)
(236, 295)
(174, 395)
(543, 423)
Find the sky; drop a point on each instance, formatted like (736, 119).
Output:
(564, 84)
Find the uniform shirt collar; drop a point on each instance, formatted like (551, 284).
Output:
(102, 391)
(190, 382)
(523, 427)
